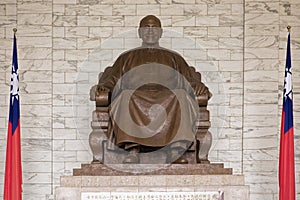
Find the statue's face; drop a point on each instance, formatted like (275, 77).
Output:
(150, 32)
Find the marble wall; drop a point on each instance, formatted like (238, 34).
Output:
(238, 46)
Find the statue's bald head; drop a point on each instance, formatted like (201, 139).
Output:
(150, 19)
(150, 31)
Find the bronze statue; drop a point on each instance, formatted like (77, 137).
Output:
(152, 98)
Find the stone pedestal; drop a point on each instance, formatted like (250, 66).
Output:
(150, 169)
(186, 178)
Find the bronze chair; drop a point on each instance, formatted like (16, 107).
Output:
(98, 139)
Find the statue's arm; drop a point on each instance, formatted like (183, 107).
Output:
(110, 77)
(107, 81)
(194, 79)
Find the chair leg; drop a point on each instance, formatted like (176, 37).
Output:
(204, 144)
(96, 139)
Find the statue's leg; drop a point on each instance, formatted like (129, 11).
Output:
(96, 139)
(177, 152)
(205, 141)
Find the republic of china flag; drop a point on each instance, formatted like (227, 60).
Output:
(286, 156)
(13, 168)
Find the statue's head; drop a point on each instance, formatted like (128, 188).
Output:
(150, 30)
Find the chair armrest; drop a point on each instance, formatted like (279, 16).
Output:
(103, 99)
(93, 93)
(202, 99)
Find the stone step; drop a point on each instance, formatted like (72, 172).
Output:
(152, 181)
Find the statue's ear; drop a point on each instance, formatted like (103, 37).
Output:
(139, 32)
(161, 32)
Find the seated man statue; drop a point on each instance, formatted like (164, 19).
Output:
(153, 98)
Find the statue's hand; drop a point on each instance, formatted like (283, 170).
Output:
(101, 88)
(200, 89)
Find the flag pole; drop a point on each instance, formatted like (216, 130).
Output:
(15, 30)
(289, 28)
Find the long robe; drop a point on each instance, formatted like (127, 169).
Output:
(152, 98)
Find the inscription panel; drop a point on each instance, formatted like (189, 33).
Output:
(211, 195)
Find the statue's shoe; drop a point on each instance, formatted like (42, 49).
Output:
(95, 161)
(131, 159)
(181, 160)
(175, 157)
